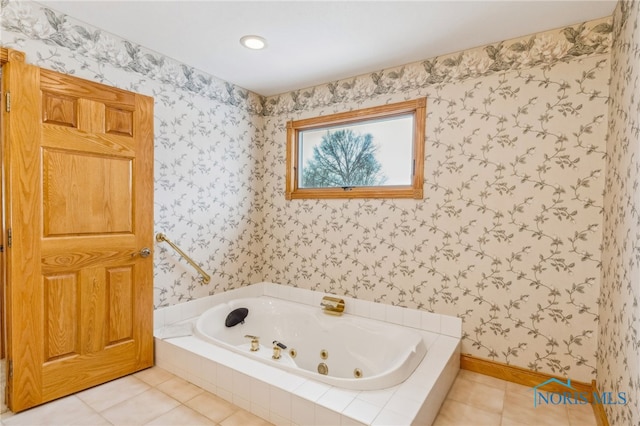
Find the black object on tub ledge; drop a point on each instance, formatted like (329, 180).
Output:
(279, 344)
(236, 317)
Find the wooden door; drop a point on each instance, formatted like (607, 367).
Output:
(80, 210)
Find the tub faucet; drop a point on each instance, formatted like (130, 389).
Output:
(255, 342)
(276, 352)
(332, 305)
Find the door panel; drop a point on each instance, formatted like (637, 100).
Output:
(86, 194)
(61, 316)
(120, 293)
(118, 122)
(81, 208)
(58, 109)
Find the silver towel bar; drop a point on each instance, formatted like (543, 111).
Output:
(160, 237)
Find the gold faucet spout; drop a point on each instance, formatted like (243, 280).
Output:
(332, 305)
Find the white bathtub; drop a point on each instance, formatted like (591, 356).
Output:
(292, 397)
(383, 354)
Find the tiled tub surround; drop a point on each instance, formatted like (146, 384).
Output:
(285, 398)
(384, 354)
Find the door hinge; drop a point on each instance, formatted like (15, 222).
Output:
(8, 97)
(10, 372)
(1, 248)
(9, 238)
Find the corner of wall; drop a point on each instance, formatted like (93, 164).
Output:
(619, 302)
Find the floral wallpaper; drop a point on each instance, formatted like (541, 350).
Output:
(507, 238)
(207, 143)
(619, 336)
(508, 234)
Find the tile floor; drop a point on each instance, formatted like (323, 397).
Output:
(476, 399)
(156, 397)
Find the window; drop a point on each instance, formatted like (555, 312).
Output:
(369, 153)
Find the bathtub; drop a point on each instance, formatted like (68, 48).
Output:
(356, 353)
(404, 381)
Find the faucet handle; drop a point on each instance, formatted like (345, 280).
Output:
(255, 342)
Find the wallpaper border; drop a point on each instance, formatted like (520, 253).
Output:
(544, 48)
(53, 28)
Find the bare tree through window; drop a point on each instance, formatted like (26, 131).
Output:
(344, 158)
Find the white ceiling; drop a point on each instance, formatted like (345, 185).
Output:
(314, 42)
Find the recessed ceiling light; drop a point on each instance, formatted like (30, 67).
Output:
(253, 42)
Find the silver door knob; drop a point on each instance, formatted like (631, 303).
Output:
(145, 252)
